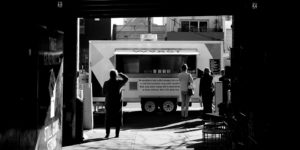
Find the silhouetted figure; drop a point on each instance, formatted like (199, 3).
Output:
(185, 78)
(113, 101)
(199, 73)
(206, 91)
(225, 79)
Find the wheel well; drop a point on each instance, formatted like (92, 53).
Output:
(159, 100)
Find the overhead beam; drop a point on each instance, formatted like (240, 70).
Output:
(124, 8)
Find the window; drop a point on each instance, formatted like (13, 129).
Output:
(194, 26)
(185, 26)
(203, 26)
(154, 64)
(128, 64)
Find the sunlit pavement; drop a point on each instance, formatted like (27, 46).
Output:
(156, 138)
(147, 131)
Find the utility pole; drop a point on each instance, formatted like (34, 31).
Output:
(149, 24)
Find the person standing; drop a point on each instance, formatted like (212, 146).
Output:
(206, 91)
(225, 79)
(113, 101)
(185, 79)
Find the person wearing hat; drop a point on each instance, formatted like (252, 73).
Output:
(206, 91)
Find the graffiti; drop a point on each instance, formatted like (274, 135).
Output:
(50, 58)
(52, 93)
(50, 132)
(51, 144)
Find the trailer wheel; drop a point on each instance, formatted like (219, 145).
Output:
(168, 106)
(149, 106)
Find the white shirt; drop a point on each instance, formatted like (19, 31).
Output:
(184, 78)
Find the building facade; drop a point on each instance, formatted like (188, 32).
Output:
(133, 28)
(194, 24)
(201, 28)
(187, 28)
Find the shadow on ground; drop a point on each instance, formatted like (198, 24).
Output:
(154, 121)
(159, 121)
(201, 145)
(94, 140)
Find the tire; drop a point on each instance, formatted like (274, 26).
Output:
(149, 106)
(168, 106)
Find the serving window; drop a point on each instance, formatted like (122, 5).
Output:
(154, 64)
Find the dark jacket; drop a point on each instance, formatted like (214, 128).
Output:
(206, 86)
(226, 86)
(113, 101)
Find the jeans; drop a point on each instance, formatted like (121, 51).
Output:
(185, 99)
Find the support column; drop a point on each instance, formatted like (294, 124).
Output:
(72, 131)
(255, 78)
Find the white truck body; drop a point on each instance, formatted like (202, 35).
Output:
(150, 65)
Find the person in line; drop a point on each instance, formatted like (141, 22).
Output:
(113, 101)
(206, 91)
(222, 75)
(225, 79)
(185, 79)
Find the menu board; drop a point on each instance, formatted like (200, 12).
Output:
(215, 66)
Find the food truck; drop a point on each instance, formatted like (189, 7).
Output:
(152, 68)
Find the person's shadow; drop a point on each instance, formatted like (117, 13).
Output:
(94, 140)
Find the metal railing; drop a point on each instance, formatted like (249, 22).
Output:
(200, 30)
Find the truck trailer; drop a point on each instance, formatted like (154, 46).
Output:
(152, 68)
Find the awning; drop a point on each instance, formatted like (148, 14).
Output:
(156, 51)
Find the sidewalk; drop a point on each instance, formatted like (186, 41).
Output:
(183, 138)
